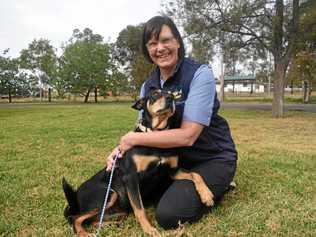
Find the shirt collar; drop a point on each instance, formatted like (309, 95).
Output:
(162, 82)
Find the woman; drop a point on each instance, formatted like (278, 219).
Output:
(204, 138)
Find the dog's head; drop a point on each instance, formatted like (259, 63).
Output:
(158, 107)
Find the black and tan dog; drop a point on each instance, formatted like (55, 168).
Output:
(135, 176)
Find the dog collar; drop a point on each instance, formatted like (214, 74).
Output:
(142, 128)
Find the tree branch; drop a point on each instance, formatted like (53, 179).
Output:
(293, 31)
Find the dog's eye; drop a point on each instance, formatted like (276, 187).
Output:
(156, 94)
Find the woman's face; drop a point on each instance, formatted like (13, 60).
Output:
(164, 51)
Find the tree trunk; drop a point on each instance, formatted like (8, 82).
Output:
(310, 90)
(49, 95)
(87, 96)
(305, 92)
(10, 96)
(308, 96)
(278, 91)
(96, 94)
(41, 93)
(222, 85)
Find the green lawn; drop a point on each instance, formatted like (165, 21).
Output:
(39, 144)
(243, 97)
(264, 98)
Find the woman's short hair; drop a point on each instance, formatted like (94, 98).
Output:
(152, 28)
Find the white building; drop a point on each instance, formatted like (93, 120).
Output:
(239, 84)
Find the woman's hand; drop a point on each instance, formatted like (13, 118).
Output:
(126, 143)
(110, 158)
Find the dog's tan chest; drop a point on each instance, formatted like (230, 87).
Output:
(142, 161)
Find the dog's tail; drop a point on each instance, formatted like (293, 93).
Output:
(73, 206)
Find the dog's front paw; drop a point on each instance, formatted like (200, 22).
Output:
(152, 232)
(86, 234)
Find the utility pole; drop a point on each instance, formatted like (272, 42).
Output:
(222, 81)
(270, 73)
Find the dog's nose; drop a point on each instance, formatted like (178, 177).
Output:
(169, 100)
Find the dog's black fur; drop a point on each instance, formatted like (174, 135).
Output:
(136, 176)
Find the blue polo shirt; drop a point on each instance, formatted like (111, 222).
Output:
(199, 103)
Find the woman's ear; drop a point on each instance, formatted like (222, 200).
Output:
(139, 104)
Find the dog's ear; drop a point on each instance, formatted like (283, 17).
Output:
(139, 104)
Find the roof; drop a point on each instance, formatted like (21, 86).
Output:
(240, 78)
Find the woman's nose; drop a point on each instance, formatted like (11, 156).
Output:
(160, 47)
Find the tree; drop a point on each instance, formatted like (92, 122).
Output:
(85, 63)
(40, 58)
(11, 82)
(60, 84)
(139, 73)
(129, 54)
(117, 83)
(259, 25)
(303, 64)
(304, 67)
(128, 45)
(202, 49)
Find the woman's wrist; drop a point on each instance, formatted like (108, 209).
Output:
(136, 138)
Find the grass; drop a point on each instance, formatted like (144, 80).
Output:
(39, 144)
(295, 98)
(244, 97)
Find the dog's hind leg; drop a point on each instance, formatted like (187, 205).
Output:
(117, 217)
(79, 230)
(134, 197)
(204, 192)
(177, 173)
(113, 199)
(114, 215)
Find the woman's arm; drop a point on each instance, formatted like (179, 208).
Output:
(179, 137)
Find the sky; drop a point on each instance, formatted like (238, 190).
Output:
(22, 21)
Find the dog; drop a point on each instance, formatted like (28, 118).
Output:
(139, 167)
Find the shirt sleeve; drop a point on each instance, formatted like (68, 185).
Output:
(142, 91)
(141, 95)
(200, 101)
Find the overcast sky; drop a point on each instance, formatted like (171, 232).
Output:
(21, 21)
